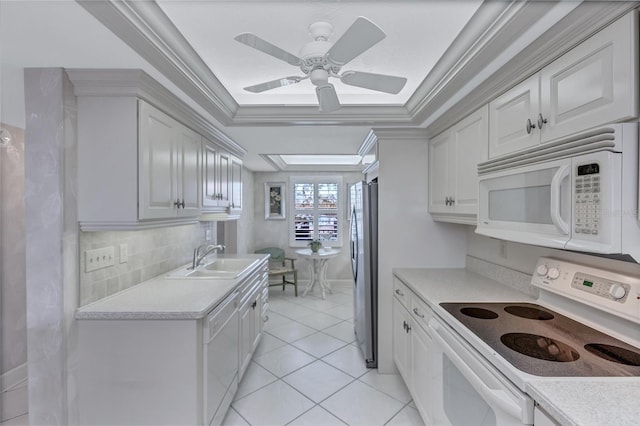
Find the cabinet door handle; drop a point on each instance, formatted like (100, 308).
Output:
(179, 204)
(399, 293)
(446, 201)
(530, 126)
(541, 121)
(254, 304)
(417, 312)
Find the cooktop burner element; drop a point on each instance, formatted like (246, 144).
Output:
(614, 354)
(539, 341)
(539, 347)
(479, 313)
(529, 312)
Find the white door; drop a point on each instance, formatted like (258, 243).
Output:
(157, 164)
(470, 140)
(593, 84)
(210, 173)
(188, 145)
(512, 117)
(440, 165)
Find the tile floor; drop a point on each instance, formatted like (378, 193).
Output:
(309, 371)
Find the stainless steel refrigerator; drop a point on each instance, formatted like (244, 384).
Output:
(364, 264)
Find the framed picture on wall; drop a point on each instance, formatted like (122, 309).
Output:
(275, 200)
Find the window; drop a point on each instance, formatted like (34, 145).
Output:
(316, 211)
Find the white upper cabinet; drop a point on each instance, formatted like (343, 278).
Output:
(221, 181)
(513, 118)
(593, 84)
(453, 169)
(169, 156)
(214, 178)
(141, 158)
(235, 184)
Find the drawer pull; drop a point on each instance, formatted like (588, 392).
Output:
(417, 312)
(399, 293)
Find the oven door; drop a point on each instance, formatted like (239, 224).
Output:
(473, 391)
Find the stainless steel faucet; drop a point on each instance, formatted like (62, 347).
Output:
(208, 248)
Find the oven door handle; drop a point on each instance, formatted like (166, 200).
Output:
(497, 397)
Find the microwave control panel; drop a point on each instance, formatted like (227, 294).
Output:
(588, 209)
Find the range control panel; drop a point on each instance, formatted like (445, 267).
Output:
(615, 293)
(602, 287)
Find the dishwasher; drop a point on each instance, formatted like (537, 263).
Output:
(220, 344)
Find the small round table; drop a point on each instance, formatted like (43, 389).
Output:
(318, 268)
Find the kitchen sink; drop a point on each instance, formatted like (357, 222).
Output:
(221, 269)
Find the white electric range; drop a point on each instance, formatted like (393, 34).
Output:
(585, 324)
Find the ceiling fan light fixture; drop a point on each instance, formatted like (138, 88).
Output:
(320, 59)
(319, 77)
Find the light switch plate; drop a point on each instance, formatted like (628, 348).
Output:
(98, 259)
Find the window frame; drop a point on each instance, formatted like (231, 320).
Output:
(341, 223)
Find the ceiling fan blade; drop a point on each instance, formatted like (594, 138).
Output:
(256, 42)
(379, 82)
(360, 36)
(273, 84)
(327, 98)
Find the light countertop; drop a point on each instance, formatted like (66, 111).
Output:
(162, 298)
(570, 401)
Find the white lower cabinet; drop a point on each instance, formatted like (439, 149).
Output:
(412, 347)
(168, 371)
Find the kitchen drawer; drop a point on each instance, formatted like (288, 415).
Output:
(420, 312)
(401, 292)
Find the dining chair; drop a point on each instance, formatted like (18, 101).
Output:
(281, 267)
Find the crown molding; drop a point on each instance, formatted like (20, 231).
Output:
(279, 164)
(503, 43)
(137, 83)
(306, 115)
(568, 31)
(146, 29)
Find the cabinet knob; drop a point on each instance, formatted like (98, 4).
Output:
(541, 121)
(530, 126)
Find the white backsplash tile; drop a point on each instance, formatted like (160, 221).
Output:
(151, 252)
(509, 277)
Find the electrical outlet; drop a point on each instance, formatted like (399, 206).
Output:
(124, 253)
(98, 259)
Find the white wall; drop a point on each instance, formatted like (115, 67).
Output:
(275, 233)
(407, 236)
(523, 257)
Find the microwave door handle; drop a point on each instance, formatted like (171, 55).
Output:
(556, 194)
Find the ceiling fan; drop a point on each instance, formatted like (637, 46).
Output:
(319, 59)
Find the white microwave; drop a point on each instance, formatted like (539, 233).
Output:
(579, 193)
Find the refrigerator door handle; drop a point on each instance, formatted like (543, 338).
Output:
(354, 245)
